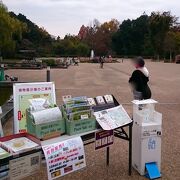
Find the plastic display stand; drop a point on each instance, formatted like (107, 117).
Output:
(152, 171)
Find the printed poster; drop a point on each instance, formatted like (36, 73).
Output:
(22, 92)
(64, 157)
(25, 166)
(112, 118)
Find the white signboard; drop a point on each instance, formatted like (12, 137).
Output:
(112, 118)
(22, 92)
(25, 166)
(64, 157)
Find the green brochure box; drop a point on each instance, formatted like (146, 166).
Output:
(47, 130)
(79, 126)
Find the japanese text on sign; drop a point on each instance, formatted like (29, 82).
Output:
(104, 139)
(64, 157)
(25, 166)
(22, 92)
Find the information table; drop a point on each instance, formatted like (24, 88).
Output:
(123, 132)
(88, 138)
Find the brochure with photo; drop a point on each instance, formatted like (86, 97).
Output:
(19, 144)
(100, 100)
(109, 98)
(91, 102)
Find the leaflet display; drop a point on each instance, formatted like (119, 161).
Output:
(112, 118)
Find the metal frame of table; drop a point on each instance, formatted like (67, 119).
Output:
(119, 133)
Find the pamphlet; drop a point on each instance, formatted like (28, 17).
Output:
(109, 98)
(47, 115)
(91, 102)
(38, 104)
(100, 100)
(19, 144)
(3, 153)
(112, 118)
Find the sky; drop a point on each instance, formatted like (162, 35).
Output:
(60, 17)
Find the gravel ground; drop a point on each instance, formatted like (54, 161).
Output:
(88, 79)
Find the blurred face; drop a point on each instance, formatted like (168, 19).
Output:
(134, 63)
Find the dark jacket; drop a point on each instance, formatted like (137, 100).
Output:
(139, 82)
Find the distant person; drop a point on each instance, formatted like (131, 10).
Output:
(73, 60)
(139, 80)
(101, 61)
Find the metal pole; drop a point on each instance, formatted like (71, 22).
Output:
(48, 74)
(130, 148)
(107, 156)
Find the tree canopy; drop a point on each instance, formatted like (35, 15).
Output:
(10, 31)
(156, 35)
(146, 35)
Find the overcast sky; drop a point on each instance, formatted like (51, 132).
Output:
(60, 17)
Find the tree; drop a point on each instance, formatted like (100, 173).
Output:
(83, 32)
(98, 36)
(169, 44)
(130, 37)
(103, 37)
(70, 46)
(37, 36)
(159, 25)
(177, 43)
(10, 31)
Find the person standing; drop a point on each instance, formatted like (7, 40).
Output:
(139, 80)
(101, 61)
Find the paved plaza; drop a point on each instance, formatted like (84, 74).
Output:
(88, 79)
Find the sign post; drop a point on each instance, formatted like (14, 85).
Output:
(104, 139)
